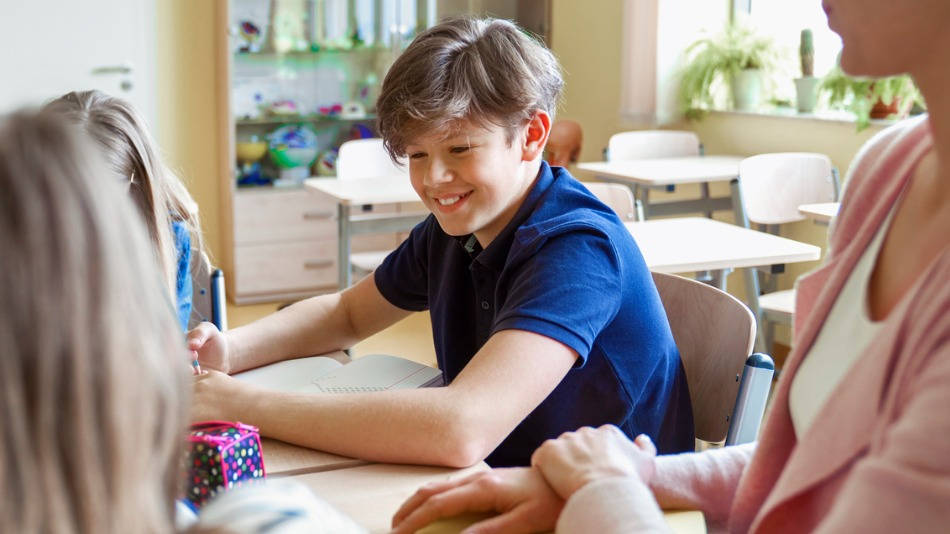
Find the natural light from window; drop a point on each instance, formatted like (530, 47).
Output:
(784, 20)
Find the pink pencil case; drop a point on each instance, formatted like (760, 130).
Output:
(223, 455)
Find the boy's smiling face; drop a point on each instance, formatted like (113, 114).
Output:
(474, 180)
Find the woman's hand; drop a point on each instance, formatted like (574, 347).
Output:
(521, 497)
(210, 346)
(577, 458)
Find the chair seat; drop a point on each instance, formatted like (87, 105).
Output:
(368, 261)
(778, 306)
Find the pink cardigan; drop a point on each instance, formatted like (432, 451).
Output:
(877, 458)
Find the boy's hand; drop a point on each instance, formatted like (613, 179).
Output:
(526, 503)
(211, 346)
(577, 458)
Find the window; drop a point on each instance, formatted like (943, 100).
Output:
(784, 20)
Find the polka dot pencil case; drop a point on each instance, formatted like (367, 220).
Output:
(223, 455)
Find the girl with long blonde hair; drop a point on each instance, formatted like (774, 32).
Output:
(93, 405)
(169, 212)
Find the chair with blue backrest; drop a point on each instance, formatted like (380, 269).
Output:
(715, 333)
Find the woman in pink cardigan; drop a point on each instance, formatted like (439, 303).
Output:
(858, 436)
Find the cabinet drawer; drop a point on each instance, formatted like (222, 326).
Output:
(268, 216)
(285, 267)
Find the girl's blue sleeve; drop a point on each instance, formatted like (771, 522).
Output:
(183, 287)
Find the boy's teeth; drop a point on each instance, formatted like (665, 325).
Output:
(450, 200)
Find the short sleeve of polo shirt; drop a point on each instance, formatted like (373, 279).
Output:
(403, 277)
(568, 289)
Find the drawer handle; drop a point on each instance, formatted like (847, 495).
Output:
(313, 215)
(321, 264)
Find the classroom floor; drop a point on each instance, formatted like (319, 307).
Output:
(410, 338)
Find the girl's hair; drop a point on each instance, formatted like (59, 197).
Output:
(130, 152)
(485, 71)
(94, 381)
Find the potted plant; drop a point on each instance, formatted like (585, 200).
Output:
(736, 58)
(870, 98)
(805, 87)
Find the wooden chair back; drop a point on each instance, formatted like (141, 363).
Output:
(714, 333)
(617, 196)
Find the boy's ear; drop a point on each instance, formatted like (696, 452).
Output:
(537, 131)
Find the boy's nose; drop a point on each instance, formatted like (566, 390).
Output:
(437, 173)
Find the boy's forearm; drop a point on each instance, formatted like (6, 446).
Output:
(310, 327)
(421, 426)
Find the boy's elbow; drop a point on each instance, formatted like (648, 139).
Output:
(463, 445)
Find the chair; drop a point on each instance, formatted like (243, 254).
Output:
(366, 158)
(208, 295)
(564, 143)
(715, 333)
(772, 186)
(617, 197)
(648, 144)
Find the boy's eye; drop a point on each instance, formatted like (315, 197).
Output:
(417, 155)
(458, 149)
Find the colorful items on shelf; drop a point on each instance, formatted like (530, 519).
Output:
(249, 153)
(326, 163)
(293, 148)
(251, 34)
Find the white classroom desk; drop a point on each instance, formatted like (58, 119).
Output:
(693, 244)
(642, 174)
(358, 192)
(821, 213)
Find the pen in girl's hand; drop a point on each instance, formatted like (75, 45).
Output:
(195, 366)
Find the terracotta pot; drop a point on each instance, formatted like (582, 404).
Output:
(880, 110)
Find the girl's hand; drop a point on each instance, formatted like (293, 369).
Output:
(211, 345)
(521, 497)
(577, 458)
(217, 397)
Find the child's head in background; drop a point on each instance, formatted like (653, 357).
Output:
(470, 103)
(94, 379)
(133, 159)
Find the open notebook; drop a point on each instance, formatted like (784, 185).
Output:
(320, 374)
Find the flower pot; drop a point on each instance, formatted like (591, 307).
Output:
(806, 93)
(747, 89)
(880, 110)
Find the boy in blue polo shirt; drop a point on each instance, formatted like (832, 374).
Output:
(544, 315)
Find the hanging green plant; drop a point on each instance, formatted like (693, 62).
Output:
(870, 98)
(719, 61)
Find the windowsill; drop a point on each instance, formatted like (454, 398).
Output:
(838, 117)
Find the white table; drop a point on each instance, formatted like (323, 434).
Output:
(821, 213)
(358, 192)
(698, 244)
(642, 174)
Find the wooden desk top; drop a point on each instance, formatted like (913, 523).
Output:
(356, 192)
(668, 171)
(283, 459)
(371, 494)
(822, 212)
(698, 244)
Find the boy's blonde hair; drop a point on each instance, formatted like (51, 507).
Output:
(94, 384)
(485, 71)
(128, 148)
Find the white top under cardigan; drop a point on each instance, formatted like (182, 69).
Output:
(847, 331)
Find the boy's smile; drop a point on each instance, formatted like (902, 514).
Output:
(473, 180)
